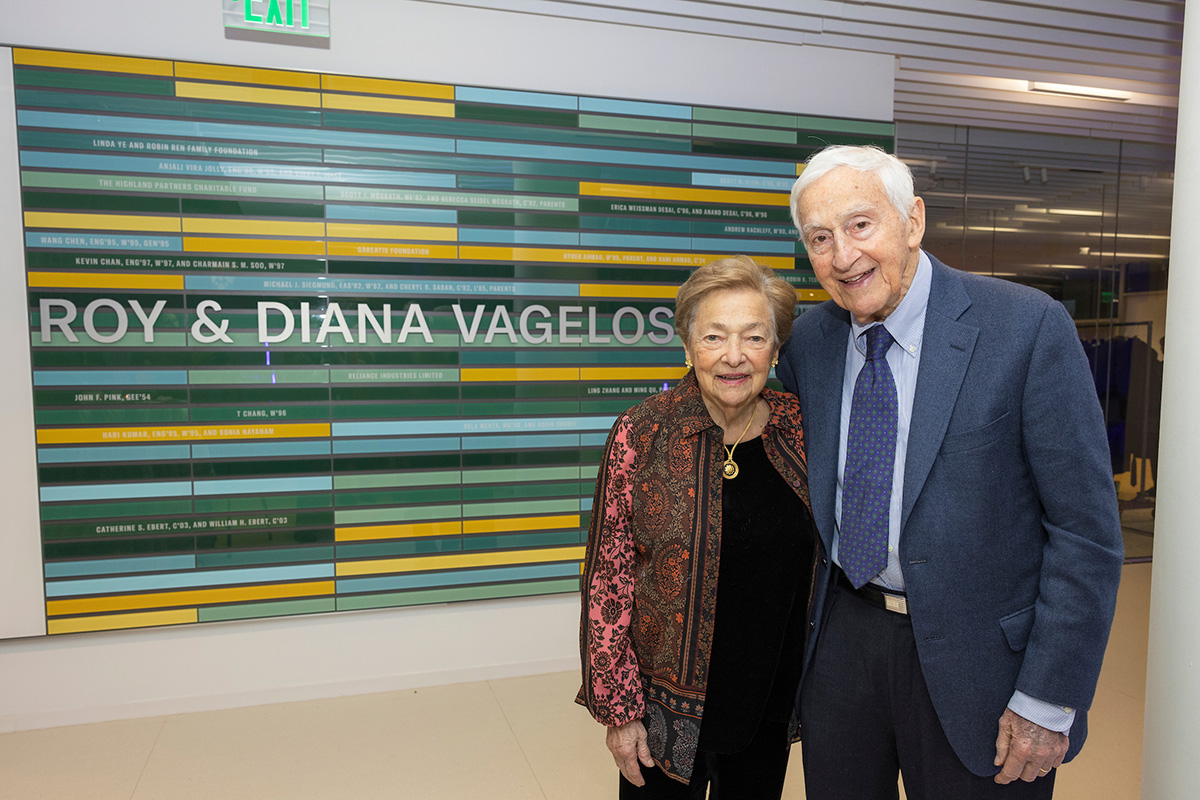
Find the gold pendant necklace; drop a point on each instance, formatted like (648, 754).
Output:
(730, 469)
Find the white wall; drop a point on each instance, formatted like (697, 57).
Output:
(48, 681)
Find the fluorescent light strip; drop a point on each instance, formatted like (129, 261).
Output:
(1090, 92)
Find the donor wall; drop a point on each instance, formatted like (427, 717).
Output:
(312, 343)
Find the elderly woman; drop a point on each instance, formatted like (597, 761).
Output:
(699, 565)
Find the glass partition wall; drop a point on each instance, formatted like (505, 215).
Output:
(1088, 222)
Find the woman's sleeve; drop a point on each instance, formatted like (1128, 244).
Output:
(612, 686)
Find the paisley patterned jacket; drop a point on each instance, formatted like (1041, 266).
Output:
(650, 573)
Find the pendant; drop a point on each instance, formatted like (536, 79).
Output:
(730, 469)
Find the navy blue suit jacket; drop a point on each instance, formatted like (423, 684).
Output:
(1010, 538)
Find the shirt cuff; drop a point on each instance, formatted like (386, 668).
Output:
(1048, 715)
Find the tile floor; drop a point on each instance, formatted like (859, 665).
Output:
(518, 739)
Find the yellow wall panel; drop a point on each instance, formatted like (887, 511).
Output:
(387, 105)
(101, 222)
(191, 597)
(275, 247)
(684, 194)
(247, 94)
(114, 622)
(520, 524)
(458, 561)
(219, 432)
(519, 374)
(627, 290)
(103, 280)
(54, 58)
(269, 77)
(262, 227)
(370, 532)
(345, 83)
(392, 250)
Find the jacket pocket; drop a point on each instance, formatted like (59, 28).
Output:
(957, 442)
(1017, 626)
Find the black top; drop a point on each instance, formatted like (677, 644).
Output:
(766, 563)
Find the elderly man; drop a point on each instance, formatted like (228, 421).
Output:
(960, 482)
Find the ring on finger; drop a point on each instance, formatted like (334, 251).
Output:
(1043, 771)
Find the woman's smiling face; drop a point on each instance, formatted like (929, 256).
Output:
(732, 344)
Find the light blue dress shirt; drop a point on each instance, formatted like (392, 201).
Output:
(907, 325)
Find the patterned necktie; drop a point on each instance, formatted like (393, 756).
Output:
(870, 459)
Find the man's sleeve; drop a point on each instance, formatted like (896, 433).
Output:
(1067, 452)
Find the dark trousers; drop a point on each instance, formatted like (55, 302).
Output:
(755, 773)
(866, 716)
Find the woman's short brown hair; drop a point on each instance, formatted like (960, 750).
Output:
(736, 273)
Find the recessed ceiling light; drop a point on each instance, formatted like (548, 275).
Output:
(1090, 92)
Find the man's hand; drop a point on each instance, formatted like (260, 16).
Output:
(1026, 750)
(627, 743)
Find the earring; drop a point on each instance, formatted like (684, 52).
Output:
(687, 362)
(775, 361)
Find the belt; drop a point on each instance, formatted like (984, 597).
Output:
(876, 596)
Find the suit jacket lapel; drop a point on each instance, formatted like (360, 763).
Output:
(946, 348)
(824, 391)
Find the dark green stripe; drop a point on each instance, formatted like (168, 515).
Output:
(74, 201)
(242, 468)
(522, 458)
(62, 551)
(68, 397)
(106, 416)
(112, 473)
(252, 208)
(260, 394)
(394, 463)
(520, 116)
(395, 411)
(275, 537)
(505, 183)
(274, 414)
(390, 393)
(409, 547)
(531, 407)
(247, 558)
(56, 511)
(262, 503)
(91, 82)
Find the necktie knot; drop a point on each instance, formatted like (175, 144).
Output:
(878, 342)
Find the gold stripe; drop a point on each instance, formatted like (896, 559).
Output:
(296, 247)
(627, 290)
(253, 226)
(684, 193)
(114, 622)
(356, 230)
(812, 295)
(367, 533)
(102, 280)
(387, 105)
(188, 433)
(57, 58)
(458, 561)
(104, 222)
(343, 83)
(392, 250)
(247, 94)
(632, 373)
(191, 597)
(520, 524)
(270, 77)
(519, 374)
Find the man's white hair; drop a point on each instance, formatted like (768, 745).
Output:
(895, 175)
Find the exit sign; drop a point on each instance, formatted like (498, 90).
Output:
(299, 17)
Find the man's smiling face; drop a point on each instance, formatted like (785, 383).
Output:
(863, 251)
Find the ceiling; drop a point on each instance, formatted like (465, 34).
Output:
(994, 161)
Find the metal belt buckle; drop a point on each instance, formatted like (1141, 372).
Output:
(895, 603)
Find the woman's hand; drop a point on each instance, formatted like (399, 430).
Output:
(627, 743)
